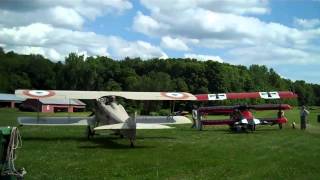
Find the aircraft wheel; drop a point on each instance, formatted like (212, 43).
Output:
(239, 128)
(280, 126)
(89, 133)
(131, 144)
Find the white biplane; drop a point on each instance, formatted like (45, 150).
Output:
(108, 115)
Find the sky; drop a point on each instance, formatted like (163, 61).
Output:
(281, 34)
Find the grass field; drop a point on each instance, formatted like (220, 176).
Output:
(180, 153)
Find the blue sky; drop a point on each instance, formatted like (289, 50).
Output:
(281, 34)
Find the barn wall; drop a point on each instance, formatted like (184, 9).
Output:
(47, 108)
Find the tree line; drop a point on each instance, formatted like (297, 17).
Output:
(133, 74)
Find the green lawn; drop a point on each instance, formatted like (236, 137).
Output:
(180, 153)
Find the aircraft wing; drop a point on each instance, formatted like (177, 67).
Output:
(163, 119)
(56, 121)
(273, 120)
(218, 122)
(57, 94)
(138, 126)
(246, 95)
(217, 110)
(262, 107)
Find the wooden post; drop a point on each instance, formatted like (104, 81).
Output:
(12, 104)
(70, 109)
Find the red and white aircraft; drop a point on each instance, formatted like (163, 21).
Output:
(240, 115)
(241, 118)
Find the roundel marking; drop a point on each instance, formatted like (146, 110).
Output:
(175, 95)
(38, 93)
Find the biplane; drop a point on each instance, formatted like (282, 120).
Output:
(108, 114)
(240, 116)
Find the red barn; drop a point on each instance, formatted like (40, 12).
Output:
(53, 105)
(10, 100)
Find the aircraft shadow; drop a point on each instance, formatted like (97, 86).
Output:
(110, 143)
(228, 131)
(155, 137)
(96, 142)
(52, 138)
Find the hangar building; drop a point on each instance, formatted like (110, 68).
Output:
(10, 100)
(53, 105)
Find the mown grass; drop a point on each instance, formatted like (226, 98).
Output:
(180, 153)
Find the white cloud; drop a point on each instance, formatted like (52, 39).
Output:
(307, 23)
(173, 43)
(56, 43)
(70, 14)
(147, 25)
(144, 50)
(224, 29)
(66, 17)
(227, 6)
(230, 26)
(203, 57)
(273, 55)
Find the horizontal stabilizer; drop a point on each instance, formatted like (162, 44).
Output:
(55, 121)
(138, 126)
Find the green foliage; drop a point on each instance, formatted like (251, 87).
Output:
(103, 73)
(181, 153)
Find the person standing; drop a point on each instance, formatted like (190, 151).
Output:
(194, 116)
(303, 117)
(280, 116)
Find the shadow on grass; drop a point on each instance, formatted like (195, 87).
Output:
(228, 131)
(96, 142)
(46, 139)
(155, 137)
(110, 143)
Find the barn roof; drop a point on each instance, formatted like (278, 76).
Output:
(10, 97)
(62, 102)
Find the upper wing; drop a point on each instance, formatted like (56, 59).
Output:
(246, 95)
(163, 119)
(57, 94)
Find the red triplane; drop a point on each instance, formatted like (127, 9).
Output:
(240, 116)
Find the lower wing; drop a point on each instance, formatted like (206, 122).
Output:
(163, 120)
(218, 122)
(274, 120)
(56, 121)
(138, 126)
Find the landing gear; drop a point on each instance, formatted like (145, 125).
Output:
(89, 133)
(280, 126)
(253, 127)
(131, 143)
